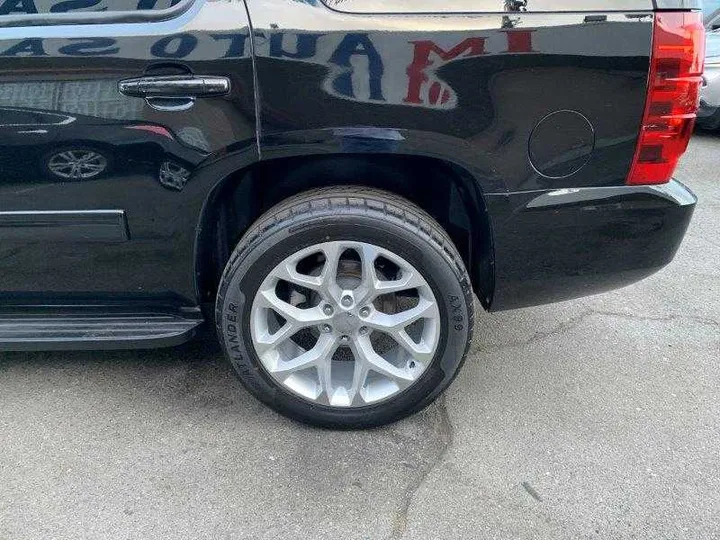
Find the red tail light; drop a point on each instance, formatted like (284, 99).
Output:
(676, 70)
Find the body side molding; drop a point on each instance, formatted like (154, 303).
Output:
(64, 225)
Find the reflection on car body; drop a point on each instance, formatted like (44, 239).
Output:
(75, 147)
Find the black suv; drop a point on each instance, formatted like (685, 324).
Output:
(332, 182)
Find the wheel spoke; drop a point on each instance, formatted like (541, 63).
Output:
(267, 341)
(328, 275)
(360, 373)
(411, 279)
(394, 323)
(300, 318)
(287, 272)
(373, 286)
(378, 370)
(366, 360)
(368, 256)
(395, 326)
(422, 352)
(325, 282)
(319, 357)
(324, 369)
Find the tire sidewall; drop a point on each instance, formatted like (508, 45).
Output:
(260, 256)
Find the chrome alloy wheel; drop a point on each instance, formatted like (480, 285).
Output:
(345, 324)
(77, 164)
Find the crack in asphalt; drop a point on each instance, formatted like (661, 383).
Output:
(445, 431)
(669, 318)
(575, 321)
(444, 425)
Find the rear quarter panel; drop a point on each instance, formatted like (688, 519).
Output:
(466, 87)
(468, 82)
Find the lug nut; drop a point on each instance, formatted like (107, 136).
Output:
(328, 310)
(363, 330)
(327, 328)
(346, 301)
(364, 312)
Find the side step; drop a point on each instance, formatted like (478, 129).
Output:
(37, 328)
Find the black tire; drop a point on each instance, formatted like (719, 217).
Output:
(709, 123)
(346, 213)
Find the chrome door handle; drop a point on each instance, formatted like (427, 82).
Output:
(175, 86)
(174, 92)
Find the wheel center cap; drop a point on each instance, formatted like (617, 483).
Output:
(346, 323)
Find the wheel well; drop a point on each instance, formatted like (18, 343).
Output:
(446, 192)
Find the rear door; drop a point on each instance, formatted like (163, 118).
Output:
(110, 112)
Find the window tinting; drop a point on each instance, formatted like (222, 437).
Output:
(33, 7)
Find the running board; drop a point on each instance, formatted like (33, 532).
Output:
(40, 328)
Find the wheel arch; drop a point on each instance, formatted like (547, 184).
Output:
(447, 191)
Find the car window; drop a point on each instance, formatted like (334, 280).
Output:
(31, 7)
(711, 10)
(51, 12)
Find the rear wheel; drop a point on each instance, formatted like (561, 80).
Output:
(345, 307)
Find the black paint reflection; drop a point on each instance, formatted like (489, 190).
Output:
(77, 145)
(466, 89)
(40, 146)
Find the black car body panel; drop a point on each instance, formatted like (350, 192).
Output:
(481, 99)
(74, 70)
(569, 243)
(473, 97)
(537, 103)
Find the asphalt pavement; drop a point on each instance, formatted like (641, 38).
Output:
(597, 418)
